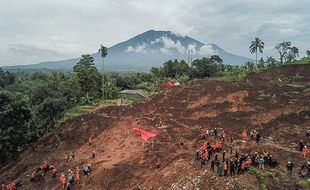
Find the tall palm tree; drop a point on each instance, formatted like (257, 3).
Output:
(103, 53)
(257, 44)
(308, 53)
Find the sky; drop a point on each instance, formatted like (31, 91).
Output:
(49, 30)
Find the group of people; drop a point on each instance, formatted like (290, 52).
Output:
(10, 186)
(254, 135)
(238, 162)
(67, 181)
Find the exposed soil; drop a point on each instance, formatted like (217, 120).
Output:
(124, 161)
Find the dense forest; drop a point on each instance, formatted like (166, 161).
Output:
(33, 104)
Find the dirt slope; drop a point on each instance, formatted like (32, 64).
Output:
(275, 102)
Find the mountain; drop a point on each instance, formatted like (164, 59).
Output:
(144, 51)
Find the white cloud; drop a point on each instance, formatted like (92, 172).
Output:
(207, 50)
(140, 48)
(170, 44)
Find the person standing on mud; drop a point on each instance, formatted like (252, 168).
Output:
(225, 168)
(301, 145)
(212, 165)
(215, 132)
(257, 137)
(158, 163)
(305, 152)
(93, 154)
(244, 135)
(223, 155)
(232, 168)
(289, 167)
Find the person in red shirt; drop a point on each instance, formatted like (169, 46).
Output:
(33, 177)
(54, 172)
(244, 135)
(158, 163)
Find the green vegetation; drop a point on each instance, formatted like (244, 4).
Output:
(304, 183)
(270, 174)
(260, 179)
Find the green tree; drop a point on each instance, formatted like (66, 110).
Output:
(204, 68)
(6, 78)
(283, 49)
(88, 76)
(292, 54)
(216, 59)
(14, 116)
(271, 62)
(250, 66)
(308, 53)
(261, 63)
(103, 53)
(256, 45)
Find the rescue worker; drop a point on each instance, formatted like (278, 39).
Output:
(33, 177)
(225, 168)
(215, 132)
(158, 163)
(305, 151)
(77, 177)
(203, 134)
(90, 141)
(11, 186)
(244, 135)
(45, 167)
(258, 137)
(93, 154)
(252, 134)
(301, 145)
(54, 172)
(212, 165)
(261, 163)
(223, 155)
(62, 180)
(289, 167)
(87, 170)
(232, 168)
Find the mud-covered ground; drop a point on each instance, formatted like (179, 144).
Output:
(275, 102)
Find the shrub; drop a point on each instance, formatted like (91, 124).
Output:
(304, 183)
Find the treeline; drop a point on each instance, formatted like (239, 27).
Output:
(32, 104)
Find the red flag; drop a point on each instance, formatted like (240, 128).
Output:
(144, 134)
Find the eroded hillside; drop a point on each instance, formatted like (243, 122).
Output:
(275, 102)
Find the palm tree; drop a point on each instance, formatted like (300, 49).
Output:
(257, 44)
(103, 53)
(308, 53)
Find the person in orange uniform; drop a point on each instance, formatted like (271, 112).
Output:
(305, 151)
(62, 180)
